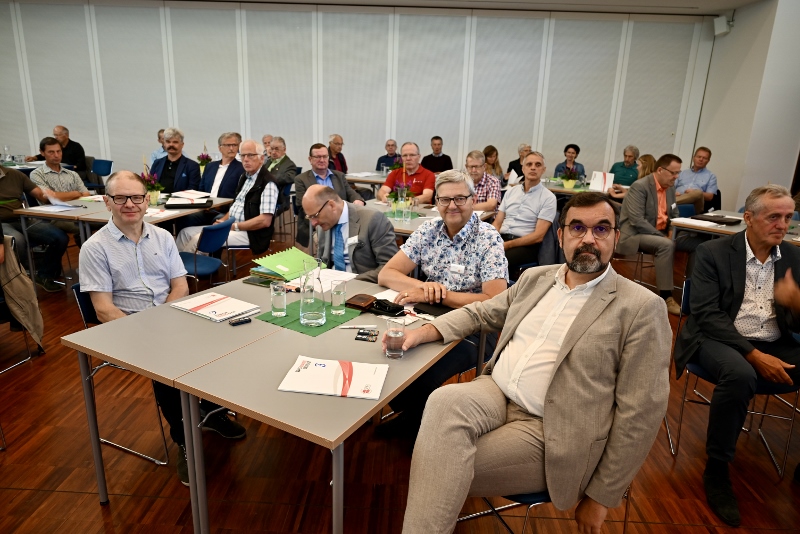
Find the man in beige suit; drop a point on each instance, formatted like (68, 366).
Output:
(573, 398)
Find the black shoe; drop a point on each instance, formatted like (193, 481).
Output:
(721, 499)
(222, 425)
(405, 425)
(48, 284)
(797, 474)
(183, 467)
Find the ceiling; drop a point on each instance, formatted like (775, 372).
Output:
(667, 7)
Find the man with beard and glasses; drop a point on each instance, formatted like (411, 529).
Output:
(572, 399)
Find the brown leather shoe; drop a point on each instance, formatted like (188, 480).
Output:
(672, 306)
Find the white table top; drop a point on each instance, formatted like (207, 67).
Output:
(82, 208)
(170, 214)
(722, 229)
(373, 179)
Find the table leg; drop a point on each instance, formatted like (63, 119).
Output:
(83, 229)
(94, 433)
(187, 436)
(338, 489)
(199, 463)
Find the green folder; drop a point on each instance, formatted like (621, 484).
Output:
(286, 265)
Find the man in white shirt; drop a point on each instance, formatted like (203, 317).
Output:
(573, 398)
(525, 215)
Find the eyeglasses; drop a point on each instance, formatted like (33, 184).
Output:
(316, 215)
(474, 167)
(249, 156)
(599, 231)
(231, 145)
(123, 199)
(325, 156)
(673, 173)
(445, 201)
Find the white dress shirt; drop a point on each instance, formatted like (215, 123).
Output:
(756, 318)
(218, 179)
(524, 368)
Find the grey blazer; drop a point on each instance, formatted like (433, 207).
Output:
(640, 213)
(610, 383)
(376, 243)
(305, 180)
(284, 172)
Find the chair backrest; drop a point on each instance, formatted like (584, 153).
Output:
(796, 216)
(29, 201)
(89, 168)
(686, 210)
(214, 236)
(102, 167)
(299, 170)
(84, 300)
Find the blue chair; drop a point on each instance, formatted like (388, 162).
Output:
(212, 238)
(102, 168)
(686, 210)
(89, 317)
(530, 500)
(763, 387)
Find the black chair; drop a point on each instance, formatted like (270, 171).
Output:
(93, 181)
(89, 316)
(767, 389)
(715, 203)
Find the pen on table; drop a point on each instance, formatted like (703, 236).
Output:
(358, 326)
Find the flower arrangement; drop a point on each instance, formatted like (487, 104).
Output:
(399, 191)
(570, 174)
(151, 181)
(398, 163)
(204, 159)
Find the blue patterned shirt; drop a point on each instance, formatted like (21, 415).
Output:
(704, 180)
(269, 199)
(477, 247)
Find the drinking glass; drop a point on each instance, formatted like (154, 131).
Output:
(312, 299)
(395, 337)
(384, 169)
(338, 297)
(278, 292)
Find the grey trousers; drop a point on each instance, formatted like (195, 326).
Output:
(663, 249)
(473, 442)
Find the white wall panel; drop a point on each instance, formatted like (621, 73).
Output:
(580, 90)
(505, 80)
(205, 60)
(63, 90)
(429, 80)
(280, 68)
(133, 82)
(654, 86)
(354, 99)
(14, 130)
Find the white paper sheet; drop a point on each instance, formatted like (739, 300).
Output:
(327, 277)
(52, 208)
(191, 193)
(513, 178)
(695, 222)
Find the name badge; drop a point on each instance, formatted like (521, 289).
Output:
(352, 240)
(455, 268)
(674, 205)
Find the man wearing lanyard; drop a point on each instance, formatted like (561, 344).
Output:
(415, 177)
(462, 261)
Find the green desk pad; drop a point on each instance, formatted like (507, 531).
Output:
(392, 214)
(292, 319)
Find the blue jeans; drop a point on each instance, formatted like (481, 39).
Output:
(40, 233)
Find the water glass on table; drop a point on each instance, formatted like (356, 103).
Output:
(278, 293)
(395, 337)
(338, 297)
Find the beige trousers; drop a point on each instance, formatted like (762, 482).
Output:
(473, 442)
(695, 197)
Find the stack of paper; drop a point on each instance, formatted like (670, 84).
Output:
(180, 202)
(191, 193)
(215, 307)
(286, 265)
(335, 377)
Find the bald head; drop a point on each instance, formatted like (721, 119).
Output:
(61, 134)
(122, 176)
(325, 203)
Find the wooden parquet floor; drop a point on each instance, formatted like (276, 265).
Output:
(274, 482)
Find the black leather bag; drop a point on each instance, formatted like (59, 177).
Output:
(385, 307)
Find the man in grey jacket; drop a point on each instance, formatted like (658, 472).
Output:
(572, 399)
(644, 224)
(366, 236)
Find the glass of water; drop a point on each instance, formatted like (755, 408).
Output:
(338, 297)
(278, 292)
(395, 337)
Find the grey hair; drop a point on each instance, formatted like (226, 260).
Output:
(534, 153)
(522, 147)
(409, 143)
(334, 136)
(454, 176)
(631, 148)
(259, 146)
(755, 200)
(227, 135)
(169, 133)
(64, 129)
(477, 154)
(278, 139)
(392, 141)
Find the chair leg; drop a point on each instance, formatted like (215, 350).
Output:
(498, 516)
(27, 349)
(782, 467)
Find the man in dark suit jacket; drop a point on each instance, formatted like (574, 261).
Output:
(224, 186)
(369, 242)
(320, 174)
(644, 224)
(736, 333)
(175, 171)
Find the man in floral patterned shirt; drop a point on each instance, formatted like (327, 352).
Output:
(462, 261)
(487, 187)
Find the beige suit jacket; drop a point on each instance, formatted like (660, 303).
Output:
(609, 386)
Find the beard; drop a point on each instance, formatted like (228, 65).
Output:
(584, 263)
